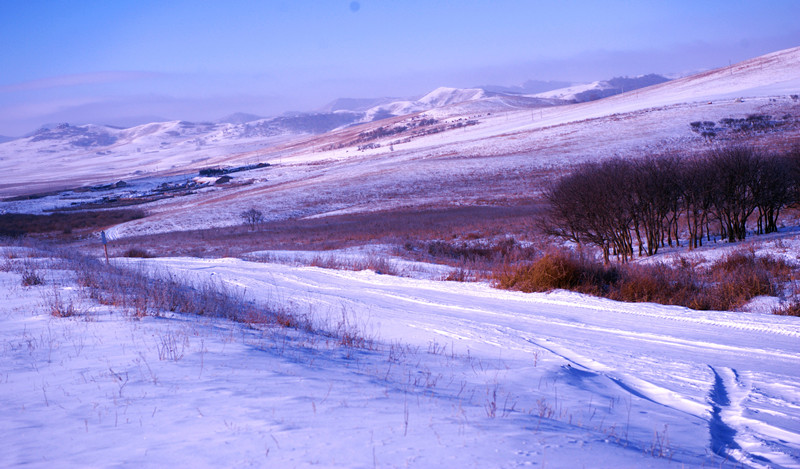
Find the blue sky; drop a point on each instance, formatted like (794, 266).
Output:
(125, 62)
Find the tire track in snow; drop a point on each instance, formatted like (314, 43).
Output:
(735, 436)
(722, 436)
(636, 386)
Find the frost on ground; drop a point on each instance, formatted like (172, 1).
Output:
(461, 375)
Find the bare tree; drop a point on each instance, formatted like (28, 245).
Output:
(571, 213)
(697, 196)
(772, 190)
(655, 191)
(614, 203)
(593, 205)
(734, 201)
(252, 218)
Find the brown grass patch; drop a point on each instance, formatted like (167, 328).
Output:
(21, 224)
(725, 285)
(788, 309)
(137, 252)
(409, 226)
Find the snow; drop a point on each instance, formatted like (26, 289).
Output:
(570, 92)
(461, 375)
(509, 147)
(442, 96)
(347, 258)
(163, 148)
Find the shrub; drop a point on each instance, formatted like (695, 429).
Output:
(459, 274)
(655, 283)
(66, 221)
(557, 269)
(725, 285)
(137, 252)
(550, 272)
(505, 250)
(742, 276)
(747, 260)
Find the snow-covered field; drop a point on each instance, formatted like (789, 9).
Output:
(460, 375)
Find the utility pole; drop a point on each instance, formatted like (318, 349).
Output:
(105, 244)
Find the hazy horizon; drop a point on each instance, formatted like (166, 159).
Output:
(123, 63)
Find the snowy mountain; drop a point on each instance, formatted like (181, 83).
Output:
(454, 101)
(529, 87)
(485, 150)
(239, 118)
(602, 89)
(528, 95)
(356, 104)
(445, 121)
(439, 97)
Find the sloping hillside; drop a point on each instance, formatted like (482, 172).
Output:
(478, 151)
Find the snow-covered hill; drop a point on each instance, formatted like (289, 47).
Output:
(497, 135)
(602, 89)
(356, 104)
(487, 151)
(439, 97)
(239, 118)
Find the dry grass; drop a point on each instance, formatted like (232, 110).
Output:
(725, 285)
(399, 227)
(554, 270)
(374, 263)
(137, 252)
(138, 293)
(141, 293)
(788, 309)
(20, 224)
(31, 277)
(57, 306)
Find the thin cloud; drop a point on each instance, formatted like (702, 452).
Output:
(36, 110)
(76, 80)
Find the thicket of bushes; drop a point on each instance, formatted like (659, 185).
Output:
(726, 284)
(619, 205)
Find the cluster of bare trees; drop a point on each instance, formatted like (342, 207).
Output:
(252, 218)
(622, 205)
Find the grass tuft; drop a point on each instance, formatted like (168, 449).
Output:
(31, 278)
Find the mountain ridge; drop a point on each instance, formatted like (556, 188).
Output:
(457, 121)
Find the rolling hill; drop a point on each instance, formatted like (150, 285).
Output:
(469, 147)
